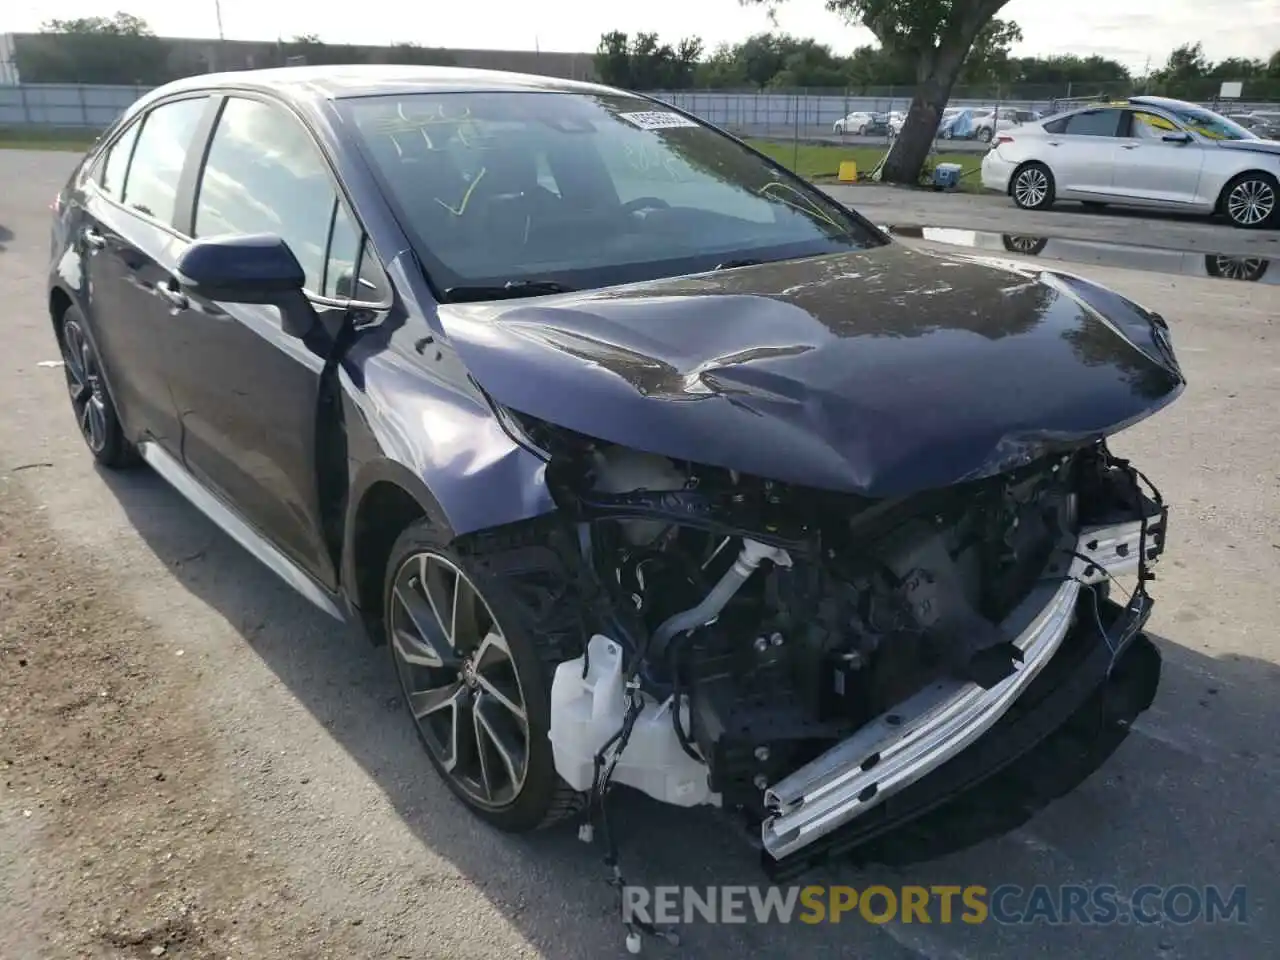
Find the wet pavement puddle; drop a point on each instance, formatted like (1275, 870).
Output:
(1185, 263)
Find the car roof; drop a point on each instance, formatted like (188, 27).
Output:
(334, 82)
(1167, 102)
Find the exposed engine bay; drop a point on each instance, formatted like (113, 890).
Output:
(797, 656)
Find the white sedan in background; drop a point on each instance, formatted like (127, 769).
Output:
(1145, 152)
(857, 122)
(991, 122)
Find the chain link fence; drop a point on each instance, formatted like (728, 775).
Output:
(816, 115)
(788, 116)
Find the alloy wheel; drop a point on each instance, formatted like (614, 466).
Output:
(84, 383)
(1251, 202)
(459, 679)
(1031, 187)
(1239, 268)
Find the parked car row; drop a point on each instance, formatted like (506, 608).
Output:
(971, 123)
(1145, 152)
(957, 123)
(865, 123)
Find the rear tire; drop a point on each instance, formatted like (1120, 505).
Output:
(1251, 201)
(94, 410)
(494, 659)
(1032, 187)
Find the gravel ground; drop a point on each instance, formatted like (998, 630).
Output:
(195, 762)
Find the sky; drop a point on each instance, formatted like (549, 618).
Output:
(1145, 30)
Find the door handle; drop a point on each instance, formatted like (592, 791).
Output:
(94, 239)
(176, 298)
(1055, 143)
(1130, 146)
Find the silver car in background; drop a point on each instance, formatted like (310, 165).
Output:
(1145, 152)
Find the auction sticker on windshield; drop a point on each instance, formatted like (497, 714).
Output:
(656, 120)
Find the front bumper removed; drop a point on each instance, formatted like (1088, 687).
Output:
(954, 734)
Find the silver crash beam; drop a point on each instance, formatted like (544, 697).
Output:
(931, 727)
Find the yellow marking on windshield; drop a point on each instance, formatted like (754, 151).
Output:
(804, 206)
(466, 197)
(1160, 123)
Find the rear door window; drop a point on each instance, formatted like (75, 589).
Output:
(159, 156)
(116, 164)
(1094, 123)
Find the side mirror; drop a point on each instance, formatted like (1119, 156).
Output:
(257, 268)
(1180, 136)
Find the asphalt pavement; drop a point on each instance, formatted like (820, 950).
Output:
(373, 838)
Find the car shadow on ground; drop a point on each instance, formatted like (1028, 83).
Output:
(1141, 818)
(6, 235)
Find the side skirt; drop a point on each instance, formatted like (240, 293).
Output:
(238, 529)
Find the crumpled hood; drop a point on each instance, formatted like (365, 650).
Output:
(880, 372)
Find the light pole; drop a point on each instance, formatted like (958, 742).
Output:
(217, 9)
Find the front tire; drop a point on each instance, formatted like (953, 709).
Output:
(94, 410)
(476, 679)
(1032, 187)
(1252, 201)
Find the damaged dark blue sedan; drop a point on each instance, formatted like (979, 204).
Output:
(648, 462)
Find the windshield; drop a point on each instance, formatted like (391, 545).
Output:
(1211, 125)
(583, 190)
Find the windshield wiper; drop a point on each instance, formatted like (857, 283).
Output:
(505, 291)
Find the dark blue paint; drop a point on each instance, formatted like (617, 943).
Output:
(250, 269)
(879, 372)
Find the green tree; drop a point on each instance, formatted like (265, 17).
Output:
(118, 49)
(934, 35)
(988, 62)
(762, 58)
(613, 59)
(119, 25)
(1069, 69)
(721, 70)
(876, 67)
(1187, 62)
(1237, 68)
(646, 63)
(807, 63)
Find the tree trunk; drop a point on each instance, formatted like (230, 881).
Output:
(936, 73)
(911, 147)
